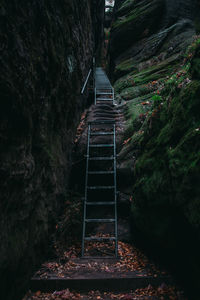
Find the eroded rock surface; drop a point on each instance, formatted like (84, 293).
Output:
(46, 52)
(156, 78)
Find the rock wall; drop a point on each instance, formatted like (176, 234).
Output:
(98, 14)
(176, 10)
(157, 83)
(45, 54)
(143, 24)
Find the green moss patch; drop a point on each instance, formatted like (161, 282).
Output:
(142, 9)
(166, 188)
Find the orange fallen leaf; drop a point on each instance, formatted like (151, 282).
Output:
(126, 141)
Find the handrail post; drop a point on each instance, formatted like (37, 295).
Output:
(86, 81)
(93, 72)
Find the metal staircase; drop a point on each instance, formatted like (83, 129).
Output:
(103, 91)
(100, 201)
(96, 173)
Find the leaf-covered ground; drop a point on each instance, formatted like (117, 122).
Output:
(130, 260)
(163, 292)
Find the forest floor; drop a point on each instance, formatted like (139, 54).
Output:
(149, 293)
(154, 282)
(132, 275)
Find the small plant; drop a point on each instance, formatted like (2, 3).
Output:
(157, 99)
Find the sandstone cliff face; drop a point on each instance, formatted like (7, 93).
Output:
(156, 79)
(142, 29)
(46, 51)
(98, 12)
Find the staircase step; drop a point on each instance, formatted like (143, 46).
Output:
(99, 239)
(101, 145)
(104, 86)
(108, 119)
(103, 103)
(115, 282)
(103, 93)
(102, 133)
(104, 99)
(100, 187)
(102, 158)
(101, 203)
(106, 91)
(99, 220)
(100, 172)
(101, 122)
(107, 88)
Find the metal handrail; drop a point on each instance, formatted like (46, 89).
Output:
(86, 81)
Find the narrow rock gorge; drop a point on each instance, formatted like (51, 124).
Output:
(150, 50)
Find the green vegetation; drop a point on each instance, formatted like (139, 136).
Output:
(156, 71)
(166, 188)
(126, 4)
(138, 11)
(158, 82)
(163, 130)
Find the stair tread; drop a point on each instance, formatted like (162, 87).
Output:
(102, 158)
(99, 220)
(107, 88)
(104, 99)
(101, 187)
(102, 122)
(100, 172)
(101, 203)
(112, 238)
(107, 98)
(101, 133)
(101, 145)
(104, 93)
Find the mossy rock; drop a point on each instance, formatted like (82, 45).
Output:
(156, 48)
(125, 67)
(129, 28)
(167, 170)
(164, 147)
(133, 92)
(152, 73)
(166, 190)
(195, 65)
(138, 9)
(125, 7)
